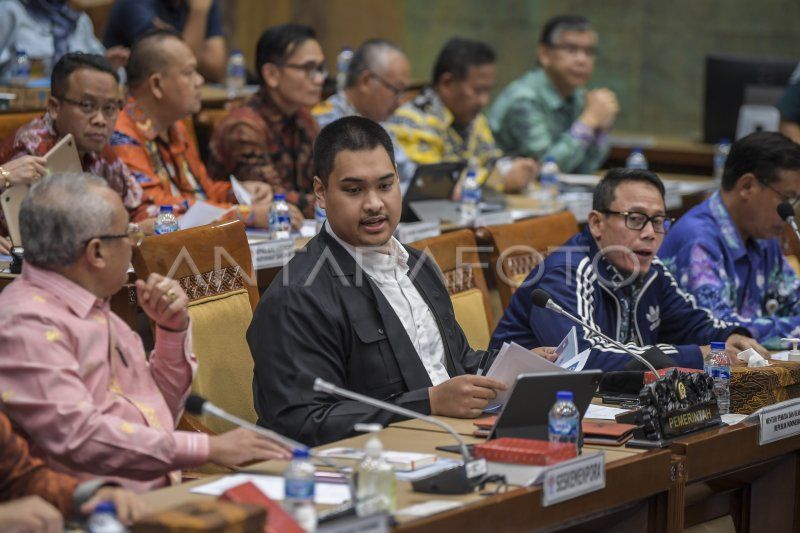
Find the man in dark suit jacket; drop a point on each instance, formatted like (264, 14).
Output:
(358, 309)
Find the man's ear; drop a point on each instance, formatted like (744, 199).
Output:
(270, 73)
(747, 185)
(595, 222)
(362, 80)
(53, 106)
(543, 55)
(319, 191)
(93, 254)
(155, 83)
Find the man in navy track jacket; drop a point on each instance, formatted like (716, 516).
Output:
(609, 276)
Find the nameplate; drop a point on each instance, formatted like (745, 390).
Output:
(271, 254)
(493, 219)
(779, 421)
(407, 232)
(476, 468)
(573, 478)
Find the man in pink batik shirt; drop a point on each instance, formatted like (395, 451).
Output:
(73, 376)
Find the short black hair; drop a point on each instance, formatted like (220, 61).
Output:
(605, 192)
(561, 23)
(349, 133)
(763, 153)
(366, 57)
(73, 61)
(147, 57)
(278, 42)
(458, 55)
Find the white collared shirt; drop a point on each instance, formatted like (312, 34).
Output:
(388, 269)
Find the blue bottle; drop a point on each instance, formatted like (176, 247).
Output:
(564, 420)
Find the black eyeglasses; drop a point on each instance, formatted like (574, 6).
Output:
(791, 199)
(311, 69)
(133, 232)
(398, 92)
(573, 49)
(637, 221)
(109, 108)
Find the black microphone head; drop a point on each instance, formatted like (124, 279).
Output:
(194, 404)
(540, 297)
(785, 210)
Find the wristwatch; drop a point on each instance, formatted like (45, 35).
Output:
(5, 175)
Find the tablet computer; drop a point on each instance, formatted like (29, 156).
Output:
(525, 414)
(63, 157)
(431, 182)
(11, 201)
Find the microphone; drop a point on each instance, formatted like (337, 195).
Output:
(786, 212)
(541, 298)
(197, 405)
(461, 479)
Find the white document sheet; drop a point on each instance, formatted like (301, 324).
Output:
(568, 348)
(603, 412)
(200, 214)
(577, 363)
(272, 486)
(510, 362)
(242, 195)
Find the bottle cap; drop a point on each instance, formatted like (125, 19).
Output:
(106, 507)
(374, 447)
(549, 159)
(717, 345)
(636, 151)
(280, 197)
(300, 453)
(564, 395)
(165, 209)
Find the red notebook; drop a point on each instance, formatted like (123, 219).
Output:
(525, 451)
(278, 520)
(650, 378)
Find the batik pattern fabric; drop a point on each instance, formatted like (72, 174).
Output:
(749, 283)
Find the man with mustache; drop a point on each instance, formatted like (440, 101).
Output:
(359, 309)
(727, 250)
(549, 111)
(609, 276)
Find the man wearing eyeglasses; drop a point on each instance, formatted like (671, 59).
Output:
(84, 101)
(549, 111)
(270, 138)
(608, 275)
(376, 82)
(727, 250)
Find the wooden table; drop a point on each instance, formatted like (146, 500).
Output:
(664, 153)
(629, 502)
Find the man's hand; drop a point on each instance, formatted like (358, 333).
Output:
(463, 396)
(31, 513)
(259, 191)
(601, 108)
(548, 352)
(244, 446)
(129, 507)
(25, 169)
(738, 343)
(118, 56)
(523, 171)
(5, 246)
(163, 300)
(297, 217)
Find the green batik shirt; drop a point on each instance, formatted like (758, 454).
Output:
(530, 119)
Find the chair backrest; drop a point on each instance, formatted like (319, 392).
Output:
(456, 253)
(517, 248)
(213, 265)
(10, 122)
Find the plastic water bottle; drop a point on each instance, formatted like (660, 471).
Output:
(721, 151)
(376, 490)
(470, 196)
(636, 160)
(320, 216)
(21, 69)
(236, 74)
(166, 221)
(564, 420)
(298, 497)
(548, 179)
(342, 64)
(718, 366)
(280, 222)
(104, 519)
